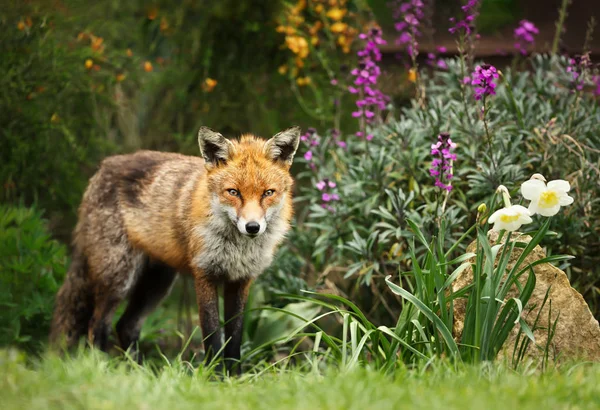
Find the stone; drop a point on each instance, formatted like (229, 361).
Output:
(577, 334)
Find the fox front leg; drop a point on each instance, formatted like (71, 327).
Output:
(235, 295)
(208, 309)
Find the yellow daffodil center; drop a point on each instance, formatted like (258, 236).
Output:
(548, 199)
(509, 218)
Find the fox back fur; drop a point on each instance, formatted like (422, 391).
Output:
(146, 216)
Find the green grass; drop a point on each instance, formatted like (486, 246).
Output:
(90, 380)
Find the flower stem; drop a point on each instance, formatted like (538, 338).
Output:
(514, 102)
(562, 15)
(487, 133)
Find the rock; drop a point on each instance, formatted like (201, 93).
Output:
(577, 333)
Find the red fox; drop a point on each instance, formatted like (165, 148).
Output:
(148, 215)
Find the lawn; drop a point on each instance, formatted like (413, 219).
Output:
(94, 382)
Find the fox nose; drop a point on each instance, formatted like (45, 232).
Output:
(252, 227)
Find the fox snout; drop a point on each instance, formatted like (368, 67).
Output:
(251, 220)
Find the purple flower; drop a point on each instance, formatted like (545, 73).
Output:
(524, 35)
(310, 139)
(483, 79)
(328, 195)
(365, 75)
(408, 16)
(466, 25)
(597, 84)
(578, 67)
(441, 165)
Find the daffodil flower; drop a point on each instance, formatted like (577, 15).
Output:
(546, 199)
(510, 218)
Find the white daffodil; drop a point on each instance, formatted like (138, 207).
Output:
(510, 218)
(546, 199)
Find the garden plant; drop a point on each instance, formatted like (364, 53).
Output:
(429, 180)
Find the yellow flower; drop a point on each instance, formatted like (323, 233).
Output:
(55, 118)
(164, 24)
(89, 63)
(299, 62)
(96, 44)
(314, 40)
(209, 84)
(301, 5)
(298, 45)
(152, 12)
(342, 40)
(338, 27)
(302, 81)
(21, 25)
(148, 66)
(318, 8)
(129, 52)
(336, 13)
(412, 75)
(120, 77)
(315, 28)
(282, 69)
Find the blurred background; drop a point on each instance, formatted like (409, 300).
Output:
(81, 80)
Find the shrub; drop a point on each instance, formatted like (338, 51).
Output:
(50, 135)
(537, 122)
(32, 267)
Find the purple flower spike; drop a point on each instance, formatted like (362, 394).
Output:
(579, 67)
(483, 80)
(365, 75)
(466, 25)
(328, 194)
(441, 164)
(408, 16)
(524, 36)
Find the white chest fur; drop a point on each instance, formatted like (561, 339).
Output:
(229, 253)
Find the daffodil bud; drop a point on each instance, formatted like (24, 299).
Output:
(505, 195)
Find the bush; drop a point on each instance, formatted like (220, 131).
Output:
(50, 135)
(32, 267)
(537, 124)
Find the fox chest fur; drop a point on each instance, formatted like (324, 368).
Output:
(226, 252)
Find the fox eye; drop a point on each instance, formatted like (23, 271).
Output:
(233, 192)
(269, 192)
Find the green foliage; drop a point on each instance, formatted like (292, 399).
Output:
(32, 267)
(537, 125)
(49, 131)
(90, 380)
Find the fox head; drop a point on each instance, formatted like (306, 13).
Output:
(249, 179)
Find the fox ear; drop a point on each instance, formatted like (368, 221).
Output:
(214, 148)
(283, 146)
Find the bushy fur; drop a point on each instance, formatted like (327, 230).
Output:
(147, 215)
